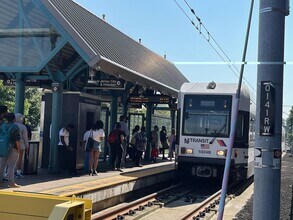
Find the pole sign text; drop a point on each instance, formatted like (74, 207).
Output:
(267, 109)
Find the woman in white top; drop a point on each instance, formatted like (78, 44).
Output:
(98, 136)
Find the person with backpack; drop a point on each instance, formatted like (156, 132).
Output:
(140, 145)
(115, 139)
(24, 143)
(10, 140)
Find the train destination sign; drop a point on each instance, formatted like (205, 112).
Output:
(28, 83)
(111, 83)
(267, 109)
(156, 99)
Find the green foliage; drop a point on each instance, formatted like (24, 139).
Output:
(32, 104)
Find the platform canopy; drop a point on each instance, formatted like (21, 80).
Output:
(57, 40)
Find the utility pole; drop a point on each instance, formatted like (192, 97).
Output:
(267, 154)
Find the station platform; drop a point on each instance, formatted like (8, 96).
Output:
(107, 189)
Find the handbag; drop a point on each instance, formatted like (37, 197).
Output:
(90, 142)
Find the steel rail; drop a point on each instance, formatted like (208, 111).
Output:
(201, 208)
(123, 209)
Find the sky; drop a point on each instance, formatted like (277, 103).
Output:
(165, 29)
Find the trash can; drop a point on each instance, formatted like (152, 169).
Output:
(30, 165)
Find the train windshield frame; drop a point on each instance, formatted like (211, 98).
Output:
(207, 115)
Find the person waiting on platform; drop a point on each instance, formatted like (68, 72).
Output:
(163, 139)
(116, 146)
(65, 150)
(172, 141)
(140, 146)
(11, 159)
(98, 136)
(124, 127)
(131, 149)
(155, 143)
(24, 143)
(87, 152)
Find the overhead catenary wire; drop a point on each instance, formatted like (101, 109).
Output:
(210, 38)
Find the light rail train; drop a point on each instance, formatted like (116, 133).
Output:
(205, 120)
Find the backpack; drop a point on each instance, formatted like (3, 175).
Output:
(113, 137)
(5, 139)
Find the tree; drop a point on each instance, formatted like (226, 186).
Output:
(32, 104)
(289, 130)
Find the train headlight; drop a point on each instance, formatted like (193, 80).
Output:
(185, 150)
(221, 153)
(189, 151)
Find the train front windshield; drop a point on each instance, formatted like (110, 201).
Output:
(206, 115)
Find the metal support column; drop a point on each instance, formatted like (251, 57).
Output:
(124, 105)
(57, 89)
(149, 112)
(114, 110)
(173, 118)
(19, 93)
(267, 161)
(113, 118)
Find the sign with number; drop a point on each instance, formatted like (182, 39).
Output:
(267, 109)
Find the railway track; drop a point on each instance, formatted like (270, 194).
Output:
(209, 207)
(181, 202)
(185, 192)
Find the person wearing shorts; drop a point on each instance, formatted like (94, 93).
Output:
(98, 136)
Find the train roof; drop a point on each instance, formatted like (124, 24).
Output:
(220, 88)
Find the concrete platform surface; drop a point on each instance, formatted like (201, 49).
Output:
(48, 183)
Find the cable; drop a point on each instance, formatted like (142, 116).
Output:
(209, 38)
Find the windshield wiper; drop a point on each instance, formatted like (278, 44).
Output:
(217, 133)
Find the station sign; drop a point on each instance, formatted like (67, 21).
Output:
(135, 105)
(106, 83)
(28, 83)
(267, 109)
(155, 99)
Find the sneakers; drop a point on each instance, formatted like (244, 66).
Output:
(119, 169)
(14, 185)
(18, 176)
(95, 173)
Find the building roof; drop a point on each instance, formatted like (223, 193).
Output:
(113, 51)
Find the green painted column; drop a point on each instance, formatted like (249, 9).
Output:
(149, 112)
(114, 110)
(113, 118)
(124, 104)
(173, 118)
(19, 94)
(55, 127)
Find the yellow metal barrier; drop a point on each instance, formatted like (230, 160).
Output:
(27, 206)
